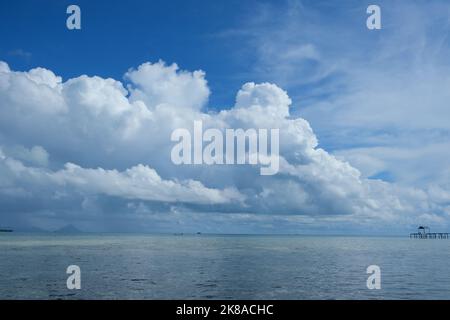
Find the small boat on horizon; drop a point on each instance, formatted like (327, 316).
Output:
(5, 230)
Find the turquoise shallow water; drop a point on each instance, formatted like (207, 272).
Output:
(115, 266)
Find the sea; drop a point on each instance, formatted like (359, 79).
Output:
(182, 266)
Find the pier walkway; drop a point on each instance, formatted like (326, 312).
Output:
(438, 235)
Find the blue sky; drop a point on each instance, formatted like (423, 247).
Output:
(215, 36)
(366, 141)
(116, 36)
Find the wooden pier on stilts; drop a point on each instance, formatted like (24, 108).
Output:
(424, 233)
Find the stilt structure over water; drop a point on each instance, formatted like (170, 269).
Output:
(424, 233)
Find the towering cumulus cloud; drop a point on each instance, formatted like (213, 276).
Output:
(96, 151)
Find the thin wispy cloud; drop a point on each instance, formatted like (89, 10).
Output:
(363, 91)
(20, 53)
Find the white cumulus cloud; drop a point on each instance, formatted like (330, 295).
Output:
(87, 147)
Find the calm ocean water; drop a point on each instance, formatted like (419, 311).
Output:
(222, 267)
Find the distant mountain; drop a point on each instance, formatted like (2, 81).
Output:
(68, 229)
